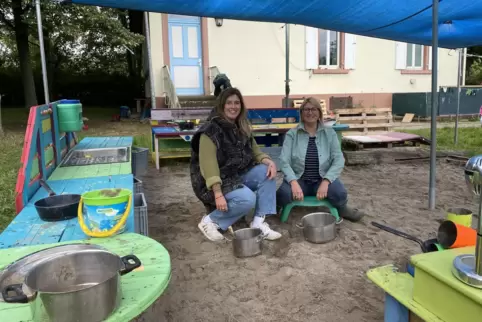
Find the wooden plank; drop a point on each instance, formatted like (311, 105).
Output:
(357, 110)
(408, 117)
(365, 118)
(371, 125)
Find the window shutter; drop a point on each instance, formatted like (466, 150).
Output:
(350, 51)
(400, 55)
(311, 48)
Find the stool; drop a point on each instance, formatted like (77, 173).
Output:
(310, 201)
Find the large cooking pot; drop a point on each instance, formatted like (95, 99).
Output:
(318, 227)
(247, 242)
(82, 286)
(57, 207)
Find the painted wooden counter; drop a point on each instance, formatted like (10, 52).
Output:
(28, 229)
(140, 289)
(89, 171)
(434, 294)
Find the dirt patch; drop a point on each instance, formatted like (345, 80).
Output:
(294, 280)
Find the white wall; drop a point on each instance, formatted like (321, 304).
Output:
(252, 54)
(155, 21)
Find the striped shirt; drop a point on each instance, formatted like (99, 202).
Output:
(312, 165)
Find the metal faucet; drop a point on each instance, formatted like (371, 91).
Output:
(467, 267)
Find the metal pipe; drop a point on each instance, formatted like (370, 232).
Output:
(478, 245)
(42, 52)
(433, 121)
(459, 79)
(149, 59)
(287, 80)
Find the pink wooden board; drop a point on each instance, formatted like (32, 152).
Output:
(381, 137)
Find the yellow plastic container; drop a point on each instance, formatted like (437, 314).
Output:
(460, 216)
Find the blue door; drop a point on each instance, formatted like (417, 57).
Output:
(185, 51)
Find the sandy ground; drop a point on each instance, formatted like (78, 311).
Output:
(294, 280)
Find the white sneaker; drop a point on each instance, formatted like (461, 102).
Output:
(269, 234)
(210, 230)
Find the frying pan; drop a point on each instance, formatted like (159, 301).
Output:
(426, 246)
(57, 207)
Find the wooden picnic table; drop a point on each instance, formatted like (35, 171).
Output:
(140, 288)
(28, 229)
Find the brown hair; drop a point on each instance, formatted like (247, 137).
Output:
(316, 103)
(242, 120)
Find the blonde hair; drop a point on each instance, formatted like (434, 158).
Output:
(316, 103)
(242, 120)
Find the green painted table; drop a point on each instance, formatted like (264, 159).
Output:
(140, 289)
(99, 170)
(434, 294)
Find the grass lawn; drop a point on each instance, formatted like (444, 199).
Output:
(14, 121)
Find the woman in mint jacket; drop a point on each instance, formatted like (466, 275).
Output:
(312, 161)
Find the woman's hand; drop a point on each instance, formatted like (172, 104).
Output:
(221, 203)
(296, 190)
(322, 190)
(271, 173)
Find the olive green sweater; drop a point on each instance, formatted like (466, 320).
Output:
(209, 163)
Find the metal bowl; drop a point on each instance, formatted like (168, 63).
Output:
(473, 175)
(318, 227)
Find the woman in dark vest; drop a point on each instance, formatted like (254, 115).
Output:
(229, 173)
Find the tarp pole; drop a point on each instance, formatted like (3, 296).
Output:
(149, 59)
(42, 52)
(433, 121)
(287, 80)
(459, 79)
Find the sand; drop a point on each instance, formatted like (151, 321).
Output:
(294, 280)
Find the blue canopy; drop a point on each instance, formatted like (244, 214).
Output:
(460, 21)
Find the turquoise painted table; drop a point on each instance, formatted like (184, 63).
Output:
(28, 229)
(140, 289)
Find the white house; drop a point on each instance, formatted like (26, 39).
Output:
(191, 50)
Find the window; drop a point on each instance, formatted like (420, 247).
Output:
(415, 55)
(328, 49)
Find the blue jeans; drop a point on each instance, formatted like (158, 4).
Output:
(257, 192)
(336, 195)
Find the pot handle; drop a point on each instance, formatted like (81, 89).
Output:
(19, 296)
(128, 266)
(299, 225)
(260, 238)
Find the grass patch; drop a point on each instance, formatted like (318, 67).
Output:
(470, 139)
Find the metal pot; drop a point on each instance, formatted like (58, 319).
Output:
(81, 286)
(248, 242)
(318, 227)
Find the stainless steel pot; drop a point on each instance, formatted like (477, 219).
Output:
(318, 227)
(81, 286)
(248, 242)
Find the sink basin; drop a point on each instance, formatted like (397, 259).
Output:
(96, 156)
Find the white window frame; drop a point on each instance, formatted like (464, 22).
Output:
(411, 66)
(338, 52)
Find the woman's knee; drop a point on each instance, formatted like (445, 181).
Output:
(337, 193)
(283, 194)
(244, 198)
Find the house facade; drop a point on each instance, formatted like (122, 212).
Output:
(188, 52)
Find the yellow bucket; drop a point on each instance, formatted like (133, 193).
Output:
(460, 216)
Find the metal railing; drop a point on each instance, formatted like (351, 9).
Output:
(172, 101)
(213, 72)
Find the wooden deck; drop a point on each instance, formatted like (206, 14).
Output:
(378, 140)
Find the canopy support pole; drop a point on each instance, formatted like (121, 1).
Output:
(149, 59)
(459, 81)
(287, 80)
(433, 121)
(42, 52)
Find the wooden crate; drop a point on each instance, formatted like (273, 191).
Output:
(364, 120)
(297, 104)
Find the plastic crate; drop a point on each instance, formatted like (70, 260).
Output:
(140, 158)
(140, 214)
(138, 185)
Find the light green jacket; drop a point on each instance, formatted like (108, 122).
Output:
(293, 153)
